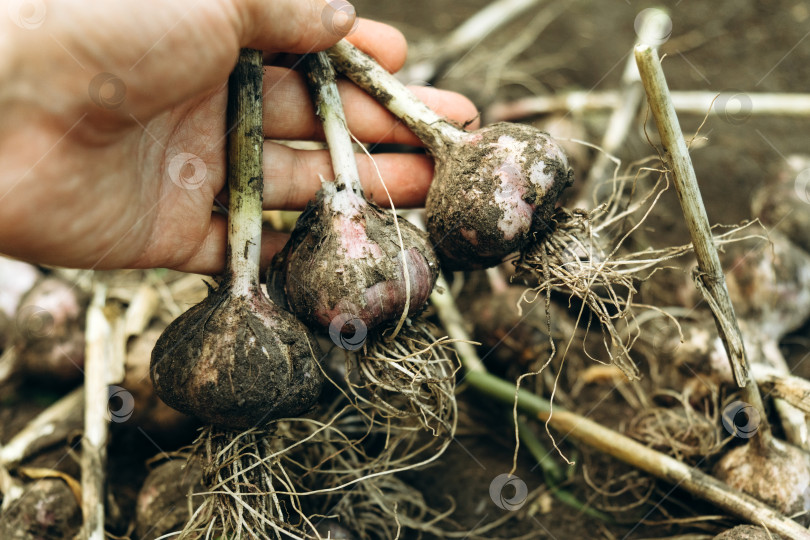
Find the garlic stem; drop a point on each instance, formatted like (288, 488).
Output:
(322, 84)
(710, 279)
(245, 178)
(329, 108)
(365, 72)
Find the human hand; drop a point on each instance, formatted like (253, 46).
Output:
(112, 147)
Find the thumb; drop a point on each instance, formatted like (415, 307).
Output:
(293, 26)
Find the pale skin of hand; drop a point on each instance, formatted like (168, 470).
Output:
(85, 176)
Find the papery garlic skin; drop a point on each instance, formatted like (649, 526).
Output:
(493, 192)
(344, 257)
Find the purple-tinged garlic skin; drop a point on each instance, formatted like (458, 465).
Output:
(50, 324)
(344, 258)
(493, 192)
(16, 279)
(237, 362)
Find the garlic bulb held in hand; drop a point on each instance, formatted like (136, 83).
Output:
(344, 257)
(236, 359)
(493, 190)
(348, 260)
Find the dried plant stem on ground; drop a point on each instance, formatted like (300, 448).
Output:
(768, 279)
(638, 455)
(53, 425)
(104, 364)
(710, 279)
(614, 444)
(464, 38)
(653, 24)
(751, 467)
(794, 390)
(688, 102)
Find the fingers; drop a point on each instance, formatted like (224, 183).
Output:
(203, 40)
(289, 114)
(291, 180)
(385, 43)
(292, 176)
(302, 26)
(209, 257)
(294, 26)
